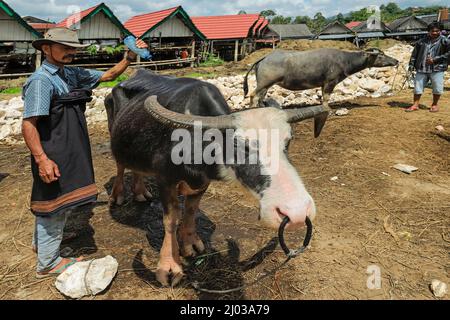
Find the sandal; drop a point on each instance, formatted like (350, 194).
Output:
(412, 108)
(434, 109)
(57, 271)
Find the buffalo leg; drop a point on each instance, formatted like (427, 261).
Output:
(190, 241)
(169, 257)
(257, 97)
(117, 193)
(141, 193)
(327, 89)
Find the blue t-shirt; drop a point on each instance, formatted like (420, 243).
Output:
(48, 81)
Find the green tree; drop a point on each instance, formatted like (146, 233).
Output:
(302, 20)
(268, 13)
(281, 20)
(340, 18)
(242, 12)
(318, 22)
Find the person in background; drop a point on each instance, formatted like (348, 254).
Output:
(430, 59)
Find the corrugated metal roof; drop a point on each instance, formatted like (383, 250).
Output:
(371, 35)
(335, 36)
(291, 30)
(412, 33)
(226, 27)
(75, 18)
(140, 24)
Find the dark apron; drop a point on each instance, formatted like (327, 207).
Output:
(65, 140)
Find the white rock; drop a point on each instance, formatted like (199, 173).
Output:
(87, 277)
(335, 178)
(370, 85)
(376, 95)
(405, 168)
(13, 114)
(440, 128)
(385, 89)
(438, 288)
(5, 131)
(372, 73)
(342, 112)
(347, 82)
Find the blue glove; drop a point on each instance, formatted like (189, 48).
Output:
(130, 42)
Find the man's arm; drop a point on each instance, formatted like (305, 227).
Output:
(119, 68)
(48, 170)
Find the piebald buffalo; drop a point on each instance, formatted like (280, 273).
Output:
(144, 114)
(301, 70)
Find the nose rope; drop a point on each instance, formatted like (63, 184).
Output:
(289, 255)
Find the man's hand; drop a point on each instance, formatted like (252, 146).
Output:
(141, 45)
(48, 170)
(430, 60)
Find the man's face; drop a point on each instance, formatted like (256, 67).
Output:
(434, 33)
(60, 53)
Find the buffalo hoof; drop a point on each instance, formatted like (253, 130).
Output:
(118, 200)
(169, 270)
(191, 243)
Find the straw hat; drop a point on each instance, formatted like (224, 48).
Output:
(63, 36)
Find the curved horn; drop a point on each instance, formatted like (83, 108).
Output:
(319, 113)
(179, 120)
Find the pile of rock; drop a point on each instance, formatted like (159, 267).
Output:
(10, 118)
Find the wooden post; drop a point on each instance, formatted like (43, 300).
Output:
(236, 49)
(212, 46)
(193, 53)
(138, 59)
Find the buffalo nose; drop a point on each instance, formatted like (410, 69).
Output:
(296, 212)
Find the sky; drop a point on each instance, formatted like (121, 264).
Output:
(56, 10)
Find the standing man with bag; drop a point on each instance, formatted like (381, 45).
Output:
(55, 130)
(430, 59)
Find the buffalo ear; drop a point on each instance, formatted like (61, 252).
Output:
(319, 122)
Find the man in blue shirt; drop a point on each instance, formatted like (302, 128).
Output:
(54, 129)
(430, 59)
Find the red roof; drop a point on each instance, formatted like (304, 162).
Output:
(226, 27)
(140, 24)
(353, 24)
(75, 18)
(262, 22)
(42, 26)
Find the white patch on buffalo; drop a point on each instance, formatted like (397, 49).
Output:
(286, 195)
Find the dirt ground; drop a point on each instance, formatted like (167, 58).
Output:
(372, 215)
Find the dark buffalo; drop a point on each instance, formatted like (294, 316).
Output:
(145, 112)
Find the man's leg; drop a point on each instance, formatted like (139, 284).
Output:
(48, 236)
(419, 83)
(437, 81)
